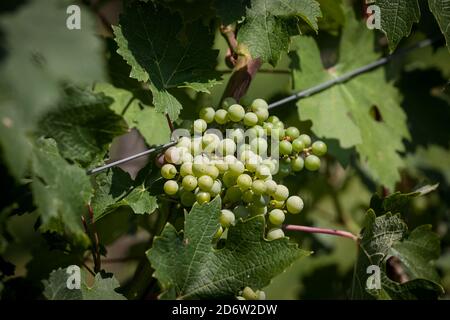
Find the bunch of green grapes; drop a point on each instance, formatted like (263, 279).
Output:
(243, 167)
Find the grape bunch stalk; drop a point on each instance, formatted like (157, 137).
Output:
(243, 168)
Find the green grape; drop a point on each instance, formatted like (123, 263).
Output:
(210, 142)
(200, 125)
(260, 200)
(273, 119)
(221, 116)
(285, 147)
(186, 156)
(226, 218)
(277, 133)
(173, 155)
(250, 119)
(213, 172)
(284, 167)
(277, 204)
(244, 182)
(196, 146)
(259, 146)
(297, 145)
(258, 187)
(227, 102)
(237, 135)
(271, 187)
(218, 233)
(184, 142)
(203, 197)
(279, 125)
(297, 164)
(319, 148)
(257, 210)
(169, 171)
(249, 294)
(233, 194)
(305, 139)
(236, 112)
(227, 146)
(187, 199)
(205, 183)
(292, 132)
(199, 169)
(189, 183)
(229, 179)
(274, 234)
(207, 114)
(294, 204)
(263, 172)
(259, 104)
(247, 196)
(262, 114)
(268, 128)
(312, 163)
(216, 188)
(186, 169)
(258, 131)
(170, 187)
(276, 217)
(236, 168)
(222, 166)
(240, 211)
(281, 193)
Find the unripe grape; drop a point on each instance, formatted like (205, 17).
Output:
(273, 119)
(279, 125)
(236, 167)
(312, 163)
(259, 131)
(213, 172)
(227, 146)
(216, 188)
(170, 187)
(249, 294)
(297, 145)
(262, 114)
(196, 146)
(294, 204)
(259, 104)
(277, 204)
(173, 155)
(259, 145)
(227, 102)
(292, 132)
(199, 169)
(186, 169)
(274, 234)
(221, 165)
(284, 167)
(281, 193)
(236, 112)
(258, 187)
(276, 217)
(229, 179)
(233, 194)
(184, 142)
(271, 187)
(263, 172)
(187, 199)
(226, 218)
(240, 211)
(168, 171)
(244, 182)
(285, 147)
(319, 148)
(237, 135)
(203, 197)
(297, 164)
(260, 200)
(207, 114)
(250, 119)
(189, 183)
(210, 142)
(218, 233)
(305, 139)
(200, 125)
(247, 196)
(221, 116)
(268, 128)
(205, 183)
(257, 210)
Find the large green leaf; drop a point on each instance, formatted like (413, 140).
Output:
(365, 111)
(101, 289)
(441, 10)
(153, 42)
(266, 30)
(190, 267)
(152, 125)
(397, 18)
(83, 125)
(61, 191)
(41, 52)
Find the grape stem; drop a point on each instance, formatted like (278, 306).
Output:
(339, 233)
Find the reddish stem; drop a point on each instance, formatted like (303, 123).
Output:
(241, 78)
(334, 232)
(170, 123)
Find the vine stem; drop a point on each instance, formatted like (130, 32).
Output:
(334, 232)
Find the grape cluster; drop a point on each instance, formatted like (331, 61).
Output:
(243, 167)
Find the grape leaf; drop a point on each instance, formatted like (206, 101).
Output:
(387, 236)
(83, 125)
(441, 10)
(266, 30)
(361, 115)
(115, 188)
(60, 191)
(152, 125)
(397, 18)
(153, 42)
(191, 267)
(33, 67)
(102, 288)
